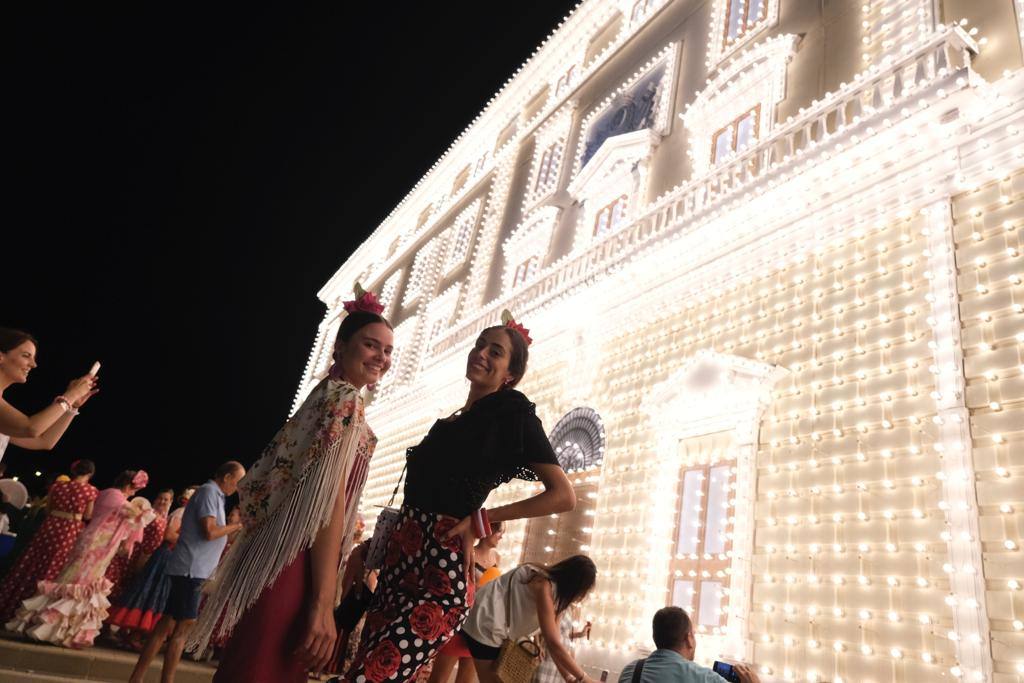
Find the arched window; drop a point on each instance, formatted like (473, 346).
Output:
(578, 440)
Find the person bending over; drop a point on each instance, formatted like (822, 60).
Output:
(517, 604)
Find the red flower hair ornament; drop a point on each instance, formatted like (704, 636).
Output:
(508, 321)
(366, 302)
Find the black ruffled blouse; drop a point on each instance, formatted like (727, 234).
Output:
(461, 461)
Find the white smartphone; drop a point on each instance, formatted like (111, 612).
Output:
(95, 368)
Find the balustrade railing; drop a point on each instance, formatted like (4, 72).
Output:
(942, 58)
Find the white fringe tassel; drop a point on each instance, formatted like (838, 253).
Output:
(259, 555)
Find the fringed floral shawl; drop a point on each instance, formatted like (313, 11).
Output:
(287, 497)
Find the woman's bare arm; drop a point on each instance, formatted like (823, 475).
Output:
(557, 496)
(325, 556)
(548, 620)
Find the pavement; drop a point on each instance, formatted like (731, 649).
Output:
(21, 660)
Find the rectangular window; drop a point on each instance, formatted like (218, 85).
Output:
(640, 9)
(565, 81)
(699, 575)
(736, 136)
(525, 270)
(610, 217)
(742, 16)
(547, 169)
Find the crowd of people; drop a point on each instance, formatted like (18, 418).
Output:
(425, 595)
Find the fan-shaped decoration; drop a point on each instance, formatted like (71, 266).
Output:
(578, 439)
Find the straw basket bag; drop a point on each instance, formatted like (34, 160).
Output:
(517, 661)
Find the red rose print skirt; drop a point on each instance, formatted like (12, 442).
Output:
(421, 600)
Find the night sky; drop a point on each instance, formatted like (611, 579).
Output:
(181, 183)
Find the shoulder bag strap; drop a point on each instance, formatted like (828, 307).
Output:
(638, 670)
(394, 493)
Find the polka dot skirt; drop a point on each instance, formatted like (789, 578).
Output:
(421, 600)
(49, 549)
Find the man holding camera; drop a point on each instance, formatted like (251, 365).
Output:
(673, 662)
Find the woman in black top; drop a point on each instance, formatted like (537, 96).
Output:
(426, 584)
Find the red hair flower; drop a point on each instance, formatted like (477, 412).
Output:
(366, 302)
(510, 322)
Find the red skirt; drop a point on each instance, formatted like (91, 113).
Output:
(262, 647)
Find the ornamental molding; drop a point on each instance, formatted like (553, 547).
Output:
(666, 60)
(554, 131)
(756, 78)
(719, 50)
(797, 158)
(616, 153)
(552, 58)
(578, 439)
(460, 237)
(620, 167)
(532, 237)
(713, 392)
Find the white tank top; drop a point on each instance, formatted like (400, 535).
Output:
(488, 622)
(4, 440)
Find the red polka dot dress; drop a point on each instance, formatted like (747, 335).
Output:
(48, 552)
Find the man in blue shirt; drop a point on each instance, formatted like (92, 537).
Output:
(673, 662)
(200, 544)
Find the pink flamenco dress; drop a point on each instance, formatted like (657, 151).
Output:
(50, 548)
(70, 610)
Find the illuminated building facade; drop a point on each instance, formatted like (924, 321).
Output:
(770, 252)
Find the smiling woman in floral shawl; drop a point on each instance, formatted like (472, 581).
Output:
(277, 586)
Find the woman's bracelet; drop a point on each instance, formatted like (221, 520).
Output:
(481, 523)
(64, 402)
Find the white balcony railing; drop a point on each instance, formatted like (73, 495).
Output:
(940, 61)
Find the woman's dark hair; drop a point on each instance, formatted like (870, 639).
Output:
(573, 578)
(12, 339)
(83, 467)
(162, 492)
(355, 321)
(519, 357)
(124, 479)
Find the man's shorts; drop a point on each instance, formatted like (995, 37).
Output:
(183, 598)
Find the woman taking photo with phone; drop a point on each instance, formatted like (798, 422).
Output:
(276, 589)
(41, 431)
(426, 583)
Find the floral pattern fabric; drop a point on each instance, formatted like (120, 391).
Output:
(328, 412)
(50, 548)
(421, 600)
(287, 497)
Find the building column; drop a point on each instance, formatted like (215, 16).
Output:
(965, 567)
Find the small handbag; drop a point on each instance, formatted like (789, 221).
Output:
(387, 520)
(518, 658)
(517, 661)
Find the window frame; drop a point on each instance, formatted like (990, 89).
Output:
(746, 24)
(547, 168)
(703, 568)
(621, 203)
(732, 128)
(525, 270)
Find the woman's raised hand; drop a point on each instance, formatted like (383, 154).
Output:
(80, 389)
